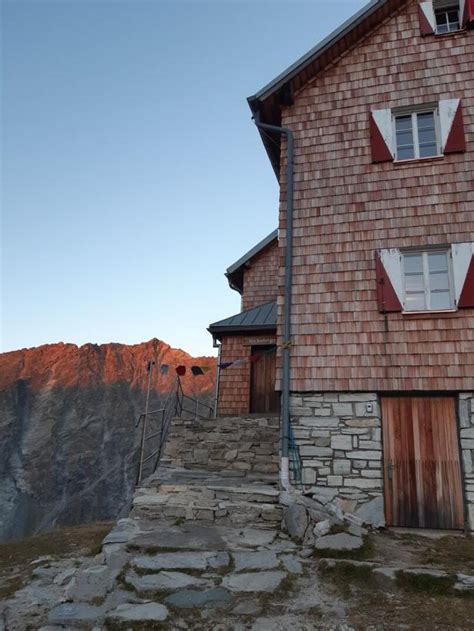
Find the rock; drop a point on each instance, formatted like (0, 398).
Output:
(173, 561)
(246, 608)
(116, 556)
(465, 579)
(164, 581)
(63, 577)
(372, 513)
(260, 560)
(385, 575)
(247, 537)
(219, 560)
(296, 520)
(147, 612)
(305, 553)
(322, 528)
(341, 541)
(291, 564)
(91, 583)
(188, 598)
(422, 571)
(74, 614)
(254, 582)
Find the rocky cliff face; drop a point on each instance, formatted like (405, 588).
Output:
(68, 442)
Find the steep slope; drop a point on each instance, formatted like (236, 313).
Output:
(68, 443)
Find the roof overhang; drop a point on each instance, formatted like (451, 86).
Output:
(267, 103)
(235, 273)
(258, 319)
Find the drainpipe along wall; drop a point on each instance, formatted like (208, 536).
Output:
(286, 347)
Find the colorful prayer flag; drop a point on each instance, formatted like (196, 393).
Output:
(205, 369)
(240, 362)
(197, 370)
(225, 365)
(164, 369)
(255, 358)
(181, 371)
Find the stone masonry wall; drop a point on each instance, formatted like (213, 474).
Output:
(466, 420)
(245, 445)
(340, 441)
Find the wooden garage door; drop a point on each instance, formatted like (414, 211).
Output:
(263, 398)
(421, 462)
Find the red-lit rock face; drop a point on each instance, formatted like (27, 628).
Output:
(57, 365)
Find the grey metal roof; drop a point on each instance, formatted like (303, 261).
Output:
(251, 253)
(259, 318)
(330, 40)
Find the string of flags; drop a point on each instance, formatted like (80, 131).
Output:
(181, 370)
(247, 360)
(202, 370)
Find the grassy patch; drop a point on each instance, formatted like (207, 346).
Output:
(451, 553)
(16, 556)
(425, 583)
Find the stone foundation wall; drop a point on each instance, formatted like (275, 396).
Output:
(340, 441)
(466, 420)
(248, 445)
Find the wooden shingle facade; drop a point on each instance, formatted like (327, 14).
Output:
(382, 307)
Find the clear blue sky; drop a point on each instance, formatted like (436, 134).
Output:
(132, 175)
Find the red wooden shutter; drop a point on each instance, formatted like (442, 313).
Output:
(387, 298)
(468, 15)
(380, 150)
(426, 18)
(456, 141)
(467, 295)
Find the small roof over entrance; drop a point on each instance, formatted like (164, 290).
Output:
(262, 318)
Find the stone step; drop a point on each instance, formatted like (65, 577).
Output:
(199, 507)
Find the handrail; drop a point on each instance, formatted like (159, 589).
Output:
(181, 398)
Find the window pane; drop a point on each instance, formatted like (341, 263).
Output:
(404, 138)
(414, 282)
(426, 151)
(405, 153)
(438, 261)
(441, 300)
(425, 120)
(442, 28)
(415, 302)
(439, 281)
(413, 263)
(427, 136)
(403, 123)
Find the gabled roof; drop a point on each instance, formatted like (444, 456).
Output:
(235, 272)
(278, 93)
(261, 318)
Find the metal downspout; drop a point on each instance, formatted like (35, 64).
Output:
(286, 347)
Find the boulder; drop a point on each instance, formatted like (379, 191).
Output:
(296, 520)
(259, 560)
(372, 513)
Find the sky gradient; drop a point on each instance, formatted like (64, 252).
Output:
(132, 175)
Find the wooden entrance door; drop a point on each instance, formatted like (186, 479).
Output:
(422, 471)
(263, 398)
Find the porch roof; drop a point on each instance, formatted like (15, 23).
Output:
(261, 318)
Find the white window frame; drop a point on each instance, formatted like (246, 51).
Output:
(445, 7)
(426, 275)
(413, 112)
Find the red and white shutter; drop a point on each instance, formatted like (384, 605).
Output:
(426, 16)
(467, 13)
(381, 136)
(389, 281)
(463, 270)
(453, 138)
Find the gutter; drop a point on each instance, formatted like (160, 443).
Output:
(286, 347)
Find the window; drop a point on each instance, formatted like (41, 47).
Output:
(447, 16)
(428, 280)
(417, 135)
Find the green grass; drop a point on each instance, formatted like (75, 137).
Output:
(425, 583)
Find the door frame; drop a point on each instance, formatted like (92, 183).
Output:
(427, 394)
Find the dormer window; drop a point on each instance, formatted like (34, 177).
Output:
(447, 16)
